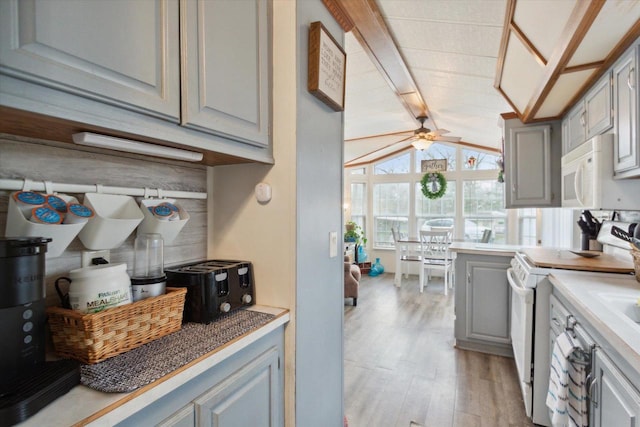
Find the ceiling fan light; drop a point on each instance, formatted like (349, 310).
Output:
(421, 144)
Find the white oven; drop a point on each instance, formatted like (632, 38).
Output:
(530, 292)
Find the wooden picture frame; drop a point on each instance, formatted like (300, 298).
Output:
(327, 65)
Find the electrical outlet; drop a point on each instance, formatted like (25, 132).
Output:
(333, 244)
(89, 256)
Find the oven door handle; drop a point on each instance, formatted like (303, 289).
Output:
(525, 293)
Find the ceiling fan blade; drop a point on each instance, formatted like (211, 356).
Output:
(439, 131)
(447, 138)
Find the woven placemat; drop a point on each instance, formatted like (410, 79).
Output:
(150, 362)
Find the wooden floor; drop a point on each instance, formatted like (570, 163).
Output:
(401, 368)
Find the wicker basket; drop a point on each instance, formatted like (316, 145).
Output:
(92, 338)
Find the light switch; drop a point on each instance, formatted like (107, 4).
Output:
(333, 244)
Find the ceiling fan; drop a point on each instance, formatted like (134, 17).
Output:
(423, 137)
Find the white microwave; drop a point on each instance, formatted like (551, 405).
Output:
(587, 178)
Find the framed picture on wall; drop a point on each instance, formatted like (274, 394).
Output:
(327, 67)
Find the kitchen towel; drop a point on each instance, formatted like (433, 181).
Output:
(567, 395)
(143, 365)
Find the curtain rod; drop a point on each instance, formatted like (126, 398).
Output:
(51, 187)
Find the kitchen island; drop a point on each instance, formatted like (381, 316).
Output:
(482, 296)
(223, 381)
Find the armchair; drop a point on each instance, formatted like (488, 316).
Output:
(351, 280)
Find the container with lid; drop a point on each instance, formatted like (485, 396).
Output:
(148, 278)
(96, 288)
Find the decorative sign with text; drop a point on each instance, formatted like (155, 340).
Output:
(435, 165)
(327, 67)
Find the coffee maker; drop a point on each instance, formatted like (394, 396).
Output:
(27, 381)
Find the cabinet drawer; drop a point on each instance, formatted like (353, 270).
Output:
(557, 315)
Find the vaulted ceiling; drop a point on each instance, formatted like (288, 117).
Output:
(464, 62)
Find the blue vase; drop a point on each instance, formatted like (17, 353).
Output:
(376, 268)
(362, 254)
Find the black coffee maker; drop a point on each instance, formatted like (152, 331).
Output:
(27, 382)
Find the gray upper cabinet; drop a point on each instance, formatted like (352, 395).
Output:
(626, 156)
(573, 128)
(190, 72)
(225, 86)
(591, 116)
(532, 164)
(40, 42)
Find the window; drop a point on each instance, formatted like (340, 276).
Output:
(482, 161)
(527, 226)
(437, 151)
(359, 203)
(395, 165)
(484, 210)
(390, 209)
(358, 171)
(436, 213)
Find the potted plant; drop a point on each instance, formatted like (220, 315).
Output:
(355, 234)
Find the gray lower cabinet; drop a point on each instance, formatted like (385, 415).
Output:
(626, 156)
(246, 389)
(483, 304)
(247, 398)
(185, 417)
(614, 401)
(532, 164)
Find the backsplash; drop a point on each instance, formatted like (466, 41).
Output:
(44, 160)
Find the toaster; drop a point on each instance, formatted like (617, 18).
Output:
(214, 287)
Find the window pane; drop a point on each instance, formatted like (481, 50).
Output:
(395, 165)
(484, 210)
(359, 171)
(436, 213)
(359, 203)
(437, 151)
(527, 227)
(390, 209)
(483, 161)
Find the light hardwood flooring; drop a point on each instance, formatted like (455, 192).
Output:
(401, 368)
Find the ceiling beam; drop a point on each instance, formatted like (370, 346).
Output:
(364, 19)
(578, 24)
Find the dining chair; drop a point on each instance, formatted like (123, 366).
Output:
(435, 255)
(404, 254)
(486, 236)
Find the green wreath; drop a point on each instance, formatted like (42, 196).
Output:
(437, 182)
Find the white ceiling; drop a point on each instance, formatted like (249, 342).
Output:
(451, 48)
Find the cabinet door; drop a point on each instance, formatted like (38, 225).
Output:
(576, 127)
(625, 89)
(598, 104)
(123, 53)
(528, 151)
(488, 302)
(249, 397)
(185, 417)
(615, 401)
(225, 89)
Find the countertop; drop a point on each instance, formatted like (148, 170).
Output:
(85, 406)
(565, 259)
(484, 248)
(602, 298)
